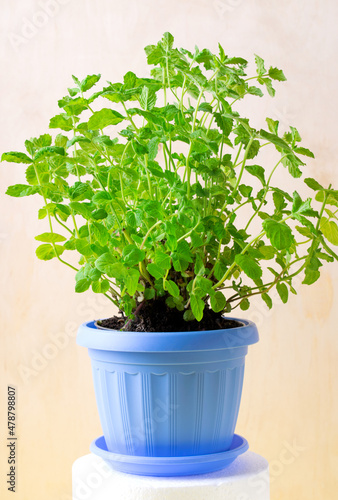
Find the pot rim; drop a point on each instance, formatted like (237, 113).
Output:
(92, 337)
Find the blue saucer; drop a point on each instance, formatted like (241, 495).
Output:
(170, 466)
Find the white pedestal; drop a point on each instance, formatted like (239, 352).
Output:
(247, 478)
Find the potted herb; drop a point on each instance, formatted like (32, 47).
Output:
(158, 184)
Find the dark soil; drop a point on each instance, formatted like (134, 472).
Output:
(156, 316)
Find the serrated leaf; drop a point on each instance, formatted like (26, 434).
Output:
(61, 121)
(257, 171)
(147, 99)
(15, 157)
(104, 118)
(100, 286)
(83, 247)
(249, 266)
(132, 255)
(311, 277)
(277, 74)
(19, 190)
(283, 292)
(50, 238)
(260, 65)
(48, 151)
(272, 125)
(129, 80)
(167, 41)
(217, 301)
(155, 270)
(205, 107)
(197, 307)
(82, 285)
(304, 152)
(267, 299)
(131, 280)
(279, 234)
(313, 184)
(172, 288)
(100, 232)
(274, 139)
(153, 148)
(163, 260)
(47, 251)
(330, 230)
(267, 252)
(107, 265)
(89, 82)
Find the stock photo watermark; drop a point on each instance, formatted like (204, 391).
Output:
(223, 7)
(30, 26)
(59, 341)
(84, 489)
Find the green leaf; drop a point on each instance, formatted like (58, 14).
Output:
(257, 171)
(260, 65)
(217, 302)
(330, 230)
(267, 300)
(162, 260)
(131, 281)
(82, 285)
(304, 152)
(48, 151)
(156, 270)
(304, 231)
(83, 247)
(313, 184)
(279, 234)
(100, 286)
(147, 99)
(43, 141)
(167, 41)
(277, 74)
(188, 315)
(272, 125)
(249, 266)
(153, 148)
(89, 82)
(129, 80)
(47, 251)
(205, 107)
(104, 118)
(197, 307)
(283, 292)
(132, 255)
(15, 157)
(61, 121)
(274, 139)
(50, 238)
(244, 304)
(172, 288)
(107, 264)
(204, 285)
(267, 252)
(311, 276)
(19, 190)
(100, 232)
(149, 293)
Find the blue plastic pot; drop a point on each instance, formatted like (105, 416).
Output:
(168, 394)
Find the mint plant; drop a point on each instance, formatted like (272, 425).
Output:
(149, 179)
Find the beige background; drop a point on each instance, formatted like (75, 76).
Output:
(289, 412)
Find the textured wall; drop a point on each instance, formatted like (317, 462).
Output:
(289, 413)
